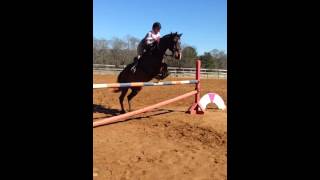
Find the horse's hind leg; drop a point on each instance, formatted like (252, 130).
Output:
(133, 93)
(121, 98)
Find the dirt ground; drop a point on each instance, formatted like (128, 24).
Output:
(166, 143)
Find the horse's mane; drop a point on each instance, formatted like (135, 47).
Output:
(165, 36)
(169, 35)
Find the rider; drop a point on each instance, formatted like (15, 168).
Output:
(147, 42)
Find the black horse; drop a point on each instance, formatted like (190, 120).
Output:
(149, 66)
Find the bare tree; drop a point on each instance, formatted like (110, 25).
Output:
(134, 42)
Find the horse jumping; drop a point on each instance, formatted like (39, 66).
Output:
(149, 67)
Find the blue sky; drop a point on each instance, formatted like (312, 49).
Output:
(202, 22)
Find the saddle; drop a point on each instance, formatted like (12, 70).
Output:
(147, 50)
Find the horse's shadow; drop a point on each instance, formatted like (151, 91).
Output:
(108, 111)
(114, 112)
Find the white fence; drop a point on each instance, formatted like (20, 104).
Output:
(175, 71)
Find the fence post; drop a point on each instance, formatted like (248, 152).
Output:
(195, 108)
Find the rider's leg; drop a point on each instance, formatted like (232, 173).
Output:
(140, 50)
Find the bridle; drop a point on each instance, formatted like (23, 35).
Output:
(173, 50)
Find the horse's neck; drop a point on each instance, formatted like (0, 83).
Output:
(164, 45)
(156, 58)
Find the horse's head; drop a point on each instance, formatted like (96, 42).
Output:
(175, 47)
(174, 44)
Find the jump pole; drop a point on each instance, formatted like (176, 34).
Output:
(141, 84)
(194, 109)
(129, 114)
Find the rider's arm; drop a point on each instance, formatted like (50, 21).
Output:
(149, 38)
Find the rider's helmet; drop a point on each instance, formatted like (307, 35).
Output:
(156, 25)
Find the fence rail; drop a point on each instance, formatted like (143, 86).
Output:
(175, 71)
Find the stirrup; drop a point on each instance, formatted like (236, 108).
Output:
(133, 68)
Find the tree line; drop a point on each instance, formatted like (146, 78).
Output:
(120, 52)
